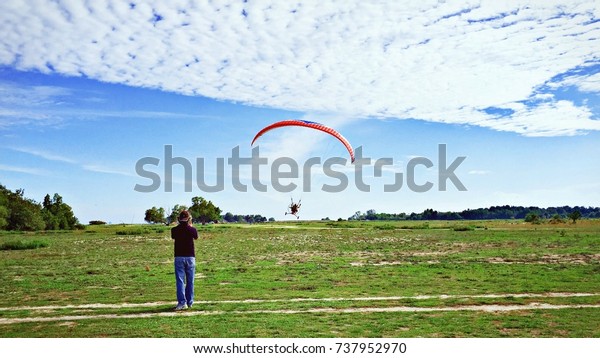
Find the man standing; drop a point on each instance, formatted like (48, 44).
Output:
(184, 235)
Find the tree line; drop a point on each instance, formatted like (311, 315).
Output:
(203, 211)
(20, 213)
(491, 213)
(248, 219)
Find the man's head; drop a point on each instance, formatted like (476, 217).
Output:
(184, 217)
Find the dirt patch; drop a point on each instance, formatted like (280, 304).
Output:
(390, 239)
(392, 263)
(555, 259)
(406, 258)
(68, 324)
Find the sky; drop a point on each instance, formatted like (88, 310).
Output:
(91, 91)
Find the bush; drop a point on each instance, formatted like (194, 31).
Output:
(385, 227)
(533, 218)
(556, 219)
(23, 245)
(129, 232)
(464, 228)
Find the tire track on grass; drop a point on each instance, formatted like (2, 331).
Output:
(480, 308)
(292, 300)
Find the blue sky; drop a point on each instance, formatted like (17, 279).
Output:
(88, 90)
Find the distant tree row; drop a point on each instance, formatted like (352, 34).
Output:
(203, 211)
(20, 213)
(249, 219)
(534, 218)
(494, 212)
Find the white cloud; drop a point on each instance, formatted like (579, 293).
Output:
(547, 119)
(589, 83)
(442, 62)
(44, 154)
(106, 170)
(32, 95)
(22, 105)
(23, 170)
(48, 155)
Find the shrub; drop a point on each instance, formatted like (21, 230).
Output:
(533, 218)
(464, 228)
(23, 245)
(385, 227)
(556, 219)
(129, 232)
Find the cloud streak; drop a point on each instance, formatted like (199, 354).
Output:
(454, 62)
(22, 170)
(49, 156)
(22, 105)
(43, 154)
(106, 170)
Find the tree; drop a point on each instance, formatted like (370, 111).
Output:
(575, 215)
(155, 215)
(172, 217)
(430, 214)
(204, 211)
(3, 208)
(229, 217)
(259, 218)
(357, 216)
(58, 215)
(371, 215)
(23, 214)
(20, 213)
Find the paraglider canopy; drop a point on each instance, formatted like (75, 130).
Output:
(308, 124)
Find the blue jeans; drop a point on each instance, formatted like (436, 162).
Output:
(185, 268)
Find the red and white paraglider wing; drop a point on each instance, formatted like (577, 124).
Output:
(308, 124)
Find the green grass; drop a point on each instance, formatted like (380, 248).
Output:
(113, 264)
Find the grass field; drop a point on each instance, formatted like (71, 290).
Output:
(308, 279)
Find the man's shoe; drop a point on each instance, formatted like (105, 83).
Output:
(180, 307)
